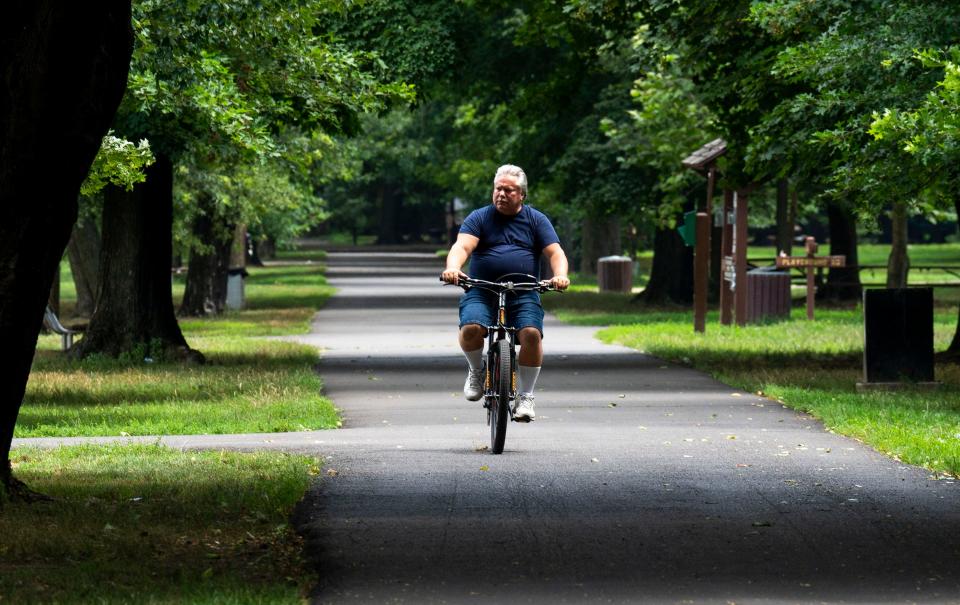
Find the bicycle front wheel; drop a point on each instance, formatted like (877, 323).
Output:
(503, 382)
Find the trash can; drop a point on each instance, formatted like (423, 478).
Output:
(235, 295)
(898, 336)
(615, 274)
(768, 294)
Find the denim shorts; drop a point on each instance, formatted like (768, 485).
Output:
(523, 309)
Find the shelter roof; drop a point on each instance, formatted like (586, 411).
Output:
(702, 157)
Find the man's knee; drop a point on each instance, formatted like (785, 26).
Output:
(472, 331)
(529, 336)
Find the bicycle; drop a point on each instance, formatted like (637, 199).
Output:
(500, 375)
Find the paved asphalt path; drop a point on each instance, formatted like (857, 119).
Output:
(640, 481)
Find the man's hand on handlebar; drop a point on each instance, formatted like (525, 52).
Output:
(560, 282)
(452, 276)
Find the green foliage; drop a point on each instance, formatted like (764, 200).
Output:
(849, 62)
(119, 162)
(244, 95)
(668, 123)
(928, 135)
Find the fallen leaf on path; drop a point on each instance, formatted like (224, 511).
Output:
(762, 524)
(611, 405)
(484, 468)
(736, 395)
(594, 460)
(331, 472)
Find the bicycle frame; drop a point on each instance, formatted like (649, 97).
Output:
(495, 334)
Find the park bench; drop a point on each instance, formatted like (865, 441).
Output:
(52, 323)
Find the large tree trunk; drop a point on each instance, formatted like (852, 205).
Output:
(64, 69)
(206, 289)
(843, 284)
(135, 306)
(83, 251)
(599, 237)
(671, 276)
(898, 263)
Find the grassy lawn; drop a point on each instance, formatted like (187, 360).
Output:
(147, 524)
(810, 366)
(247, 384)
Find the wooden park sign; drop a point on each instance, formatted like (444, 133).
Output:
(810, 262)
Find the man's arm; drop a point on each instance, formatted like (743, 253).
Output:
(558, 264)
(458, 255)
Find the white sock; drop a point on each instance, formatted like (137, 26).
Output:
(527, 378)
(474, 358)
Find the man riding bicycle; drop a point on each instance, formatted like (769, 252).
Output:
(505, 237)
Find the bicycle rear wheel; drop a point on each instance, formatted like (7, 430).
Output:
(500, 414)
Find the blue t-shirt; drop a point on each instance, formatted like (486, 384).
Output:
(508, 244)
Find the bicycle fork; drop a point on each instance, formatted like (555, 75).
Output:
(496, 334)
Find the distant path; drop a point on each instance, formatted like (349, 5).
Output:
(640, 481)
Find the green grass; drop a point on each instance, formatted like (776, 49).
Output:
(247, 384)
(147, 524)
(245, 387)
(811, 366)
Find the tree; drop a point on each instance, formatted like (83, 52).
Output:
(119, 162)
(211, 83)
(847, 62)
(65, 67)
(927, 135)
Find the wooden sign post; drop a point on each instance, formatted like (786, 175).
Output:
(810, 261)
(703, 160)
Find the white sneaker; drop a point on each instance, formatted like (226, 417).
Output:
(473, 387)
(524, 410)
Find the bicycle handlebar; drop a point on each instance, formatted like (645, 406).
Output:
(469, 282)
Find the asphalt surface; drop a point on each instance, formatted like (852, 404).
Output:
(639, 482)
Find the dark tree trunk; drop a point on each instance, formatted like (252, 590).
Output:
(135, 305)
(953, 351)
(206, 289)
(843, 284)
(599, 237)
(898, 263)
(716, 262)
(671, 276)
(785, 218)
(83, 251)
(64, 69)
(253, 253)
(389, 204)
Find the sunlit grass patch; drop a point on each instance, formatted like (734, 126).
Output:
(147, 524)
(267, 321)
(248, 384)
(245, 386)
